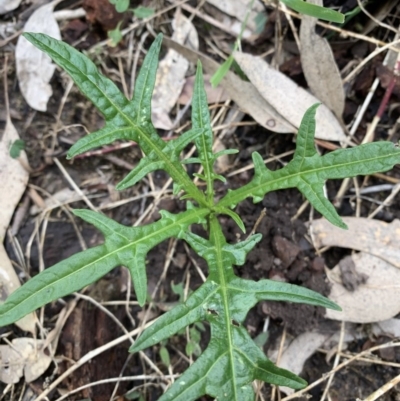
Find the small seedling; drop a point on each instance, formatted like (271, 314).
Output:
(121, 6)
(232, 360)
(16, 148)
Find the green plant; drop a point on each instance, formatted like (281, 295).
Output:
(121, 6)
(232, 360)
(314, 10)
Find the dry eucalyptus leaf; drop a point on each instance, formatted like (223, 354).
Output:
(25, 357)
(243, 93)
(371, 236)
(214, 95)
(222, 164)
(287, 98)
(14, 178)
(8, 5)
(34, 68)
(239, 10)
(65, 195)
(299, 350)
(9, 282)
(296, 352)
(319, 65)
(171, 73)
(375, 300)
(390, 328)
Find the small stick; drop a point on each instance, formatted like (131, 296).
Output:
(73, 184)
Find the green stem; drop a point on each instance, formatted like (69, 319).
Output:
(221, 276)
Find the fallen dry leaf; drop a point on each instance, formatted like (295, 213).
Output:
(8, 5)
(34, 68)
(14, 178)
(287, 98)
(239, 9)
(65, 195)
(171, 73)
(222, 163)
(299, 350)
(319, 65)
(214, 95)
(296, 352)
(375, 300)
(243, 93)
(390, 328)
(25, 357)
(371, 236)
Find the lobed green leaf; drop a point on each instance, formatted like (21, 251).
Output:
(308, 171)
(125, 246)
(232, 360)
(125, 119)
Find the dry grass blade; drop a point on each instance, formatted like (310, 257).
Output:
(359, 356)
(384, 389)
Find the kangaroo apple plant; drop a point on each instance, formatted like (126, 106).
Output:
(231, 361)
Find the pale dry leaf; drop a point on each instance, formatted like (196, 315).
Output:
(243, 93)
(214, 95)
(375, 300)
(287, 98)
(62, 197)
(371, 236)
(319, 65)
(8, 5)
(14, 178)
(171, 73)
(299, 350)
(296, 352)
(34, 68)
(9, 282)
(11, 368)
(389, 328)
(222, 164)
(239, 9)
(25, 357)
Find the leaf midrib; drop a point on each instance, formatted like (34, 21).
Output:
(207, 163)
(224, 293)
(112, 253)
(176, 174)
(238, 195)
